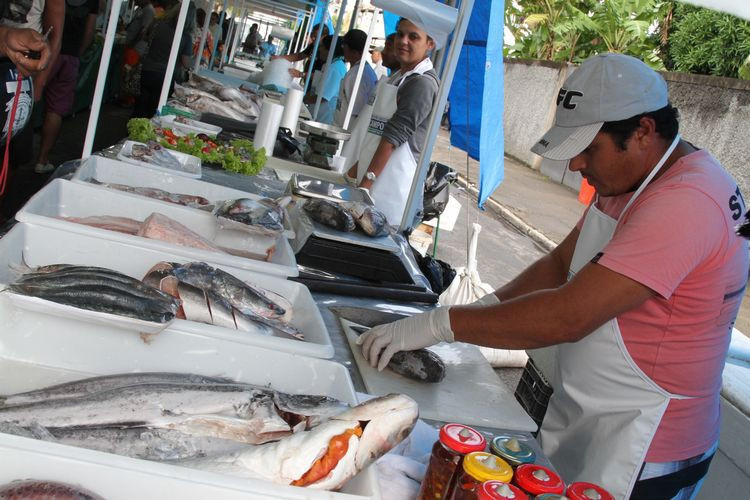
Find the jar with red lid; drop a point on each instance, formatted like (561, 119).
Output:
(587, 491)
(455, 441)
(537, 480)
(479, 467)
(498, 490)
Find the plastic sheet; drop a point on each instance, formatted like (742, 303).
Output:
(268, 126)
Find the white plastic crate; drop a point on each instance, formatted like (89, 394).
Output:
(41, 351)
(116, 172)
(71, 199)
(39, 245)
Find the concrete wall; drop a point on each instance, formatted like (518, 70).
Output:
(715, 115)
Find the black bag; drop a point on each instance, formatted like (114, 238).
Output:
(440, 274)
(436, 191)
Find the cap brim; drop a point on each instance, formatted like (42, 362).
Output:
(563, 143)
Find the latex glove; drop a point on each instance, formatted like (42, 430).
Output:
(417, 332)
(488, 300)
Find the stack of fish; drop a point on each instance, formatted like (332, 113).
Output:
(347, 216)
(97, 289)
(215, 297)
(215, 424)
(264, 216)
(205, 95)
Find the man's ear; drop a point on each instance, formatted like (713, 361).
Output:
(646, 131)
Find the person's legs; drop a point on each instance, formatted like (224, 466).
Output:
(58, 95)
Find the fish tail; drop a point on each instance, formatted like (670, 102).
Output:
(20, 268)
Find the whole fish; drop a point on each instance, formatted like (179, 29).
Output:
(212, 105)
(188, 200)
(84, 387)
(32, 489)
(153, 152)
(371, 220)
(328, 455)
(265, 214)
(330, 214)
(240, 412)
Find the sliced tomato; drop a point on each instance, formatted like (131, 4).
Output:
(168, 133)
(337, 448)
(172, 141)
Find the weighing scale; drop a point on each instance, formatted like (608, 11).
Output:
(322, 143)
(351, 262)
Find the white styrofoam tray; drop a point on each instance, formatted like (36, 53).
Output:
(191, 127)
(116, 172)
(39, 351)
(191, 165)
(32, 245)
(61, 198)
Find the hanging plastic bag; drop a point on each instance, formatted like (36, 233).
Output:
(467, 287)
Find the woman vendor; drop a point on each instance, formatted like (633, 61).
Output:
(388, 157)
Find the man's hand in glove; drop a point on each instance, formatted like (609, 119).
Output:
(422, 330)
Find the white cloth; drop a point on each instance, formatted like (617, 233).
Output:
(604, 410)
(402, 470)
(380, 70)
(390, 190)
(366, 87)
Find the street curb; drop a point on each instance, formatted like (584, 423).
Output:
(512, 218)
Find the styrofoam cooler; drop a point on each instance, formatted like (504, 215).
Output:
(43, 352)
(61, 198)
(39, 245)
(116, 172)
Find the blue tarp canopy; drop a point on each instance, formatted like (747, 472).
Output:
(476, 96)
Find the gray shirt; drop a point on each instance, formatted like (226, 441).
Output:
(415, 98)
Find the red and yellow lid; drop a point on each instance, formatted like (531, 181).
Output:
(462, 438)
(498, 490)
(483, 466)
(537, 479)
(588, 491)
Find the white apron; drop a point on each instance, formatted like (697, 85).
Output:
(391, 188)
(604, 411)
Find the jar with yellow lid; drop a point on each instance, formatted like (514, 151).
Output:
(479, 467)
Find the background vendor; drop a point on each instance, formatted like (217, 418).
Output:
(354, 46)
(328, 88)
(307, 52)
(640, 298)
(388, 157)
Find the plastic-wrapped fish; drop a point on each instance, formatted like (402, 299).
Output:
(330, 214)
(264, 215)
(154, 153)
(371, 220)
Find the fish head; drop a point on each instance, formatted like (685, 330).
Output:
(386, 421)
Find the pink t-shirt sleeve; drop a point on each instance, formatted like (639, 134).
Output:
(663, 237)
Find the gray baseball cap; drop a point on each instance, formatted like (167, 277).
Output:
(605, 88)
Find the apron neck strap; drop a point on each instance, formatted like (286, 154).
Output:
(652, 174)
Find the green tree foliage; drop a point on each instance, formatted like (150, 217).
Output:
(573, 30)
(707, 42)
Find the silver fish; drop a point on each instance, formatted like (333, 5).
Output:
(265, 214)
(153, 152)
(383, 423)
(31, 489)
(84, 387)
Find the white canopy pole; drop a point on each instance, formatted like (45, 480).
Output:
(316, 44)
(462, 22)
(238, 34)
(308, 29)
(216, 42)
(334, 40)
(229, 42)
(360, 70)
(172, 61)
(204, 33)
(101, 79)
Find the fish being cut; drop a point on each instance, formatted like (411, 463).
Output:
(330, 214)
(160, 227)
(110, 222)
(98, 289)
(32, 489)
(188, 200)
(328, 455)
(371, 220)
(93, 385)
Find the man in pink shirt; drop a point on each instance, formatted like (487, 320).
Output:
(639, 299)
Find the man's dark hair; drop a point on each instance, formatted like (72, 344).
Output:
(667, 125)
(338, 51)
(317, 26)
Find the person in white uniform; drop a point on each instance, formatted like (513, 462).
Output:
(353, 45)
(639, 299)
(387, 160)
(377, 61)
